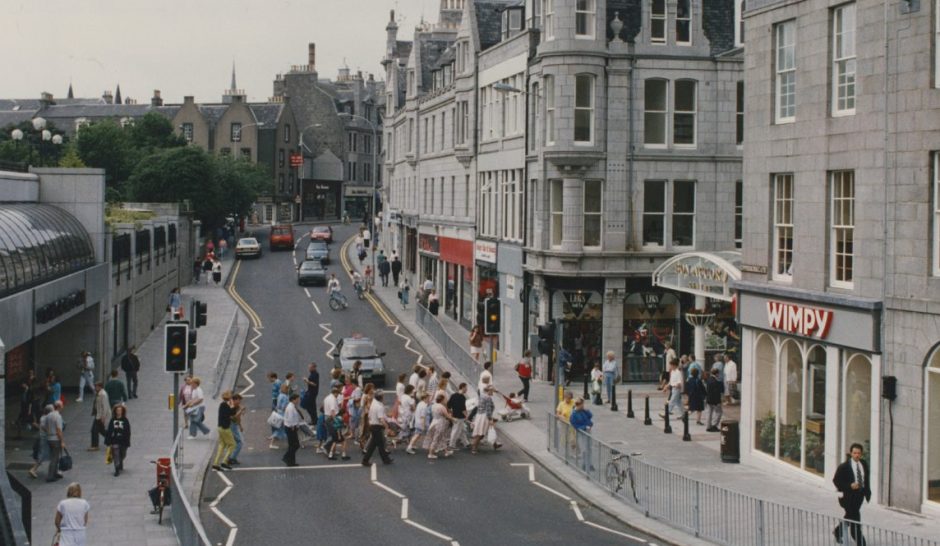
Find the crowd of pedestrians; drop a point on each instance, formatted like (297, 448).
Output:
(705, 390)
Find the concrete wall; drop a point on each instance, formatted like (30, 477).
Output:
(19, 187)
(80, 192)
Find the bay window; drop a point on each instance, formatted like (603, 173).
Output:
(584, 108)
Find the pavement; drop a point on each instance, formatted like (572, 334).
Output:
(120, 508)
(698, 459)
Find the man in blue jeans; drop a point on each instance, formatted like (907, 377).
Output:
(610, 369)
(237, 411)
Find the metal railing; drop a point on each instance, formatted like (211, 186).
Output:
(704, 510)
(185, 519)
(454, 349)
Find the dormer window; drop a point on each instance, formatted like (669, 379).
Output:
(513, 21)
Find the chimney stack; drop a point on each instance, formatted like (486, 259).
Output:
(156, 100)
(108, 97)
(188, 99)
(312, 56)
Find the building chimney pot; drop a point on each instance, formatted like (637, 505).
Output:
(156, 100)
(188, 99)
(312, 56)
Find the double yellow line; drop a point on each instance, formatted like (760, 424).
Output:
(255, 319)
(373, 301)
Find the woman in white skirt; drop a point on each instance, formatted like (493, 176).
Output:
(484, 419)
(438, 431)
(406, 412)
(421, 421)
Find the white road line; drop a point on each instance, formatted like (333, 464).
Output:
(302, 467)
(254, 364)
(552, 491)
(404, 509)
(408, 344)
(228, 487)
(374, 471)
(326, 337)
(222, 517)
(231, 536)
(577, 511)
(429, 531)
(315, 306)
(389, 489)
(307, 291)
(531, 469)
(625, 535)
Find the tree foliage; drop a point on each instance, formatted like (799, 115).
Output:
(154, 132)
(32, 150)
(105, 145)
(70, 159)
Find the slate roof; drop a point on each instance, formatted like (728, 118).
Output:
(718, 24)
(446, 58)
(267, 113)
(213, 112)
(431, 52)
(35, 104)
(489, 21)
(15, 118)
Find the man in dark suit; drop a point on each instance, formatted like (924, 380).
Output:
(852, 480)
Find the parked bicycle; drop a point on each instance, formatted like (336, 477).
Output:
(618, 472)
(160, 495)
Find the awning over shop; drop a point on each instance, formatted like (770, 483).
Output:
(706, 274)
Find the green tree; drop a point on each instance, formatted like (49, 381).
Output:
(241, 182)
(177, 174)
(31, 150)
(71, 159)
(154, 131)
(105, 145)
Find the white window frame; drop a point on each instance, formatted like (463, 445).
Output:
(235, 131)
(693, 112)
(589, 109)
(548, 14)
(782, 222)
(599, 214)
(936, 214)
(687, 20)
(841, 227)
(844, 67)
(664, 114)
(664, 17)
(739, 6)
(549, 110)
(585, 10)
(187, 129)
(784, 73)
(556, 210)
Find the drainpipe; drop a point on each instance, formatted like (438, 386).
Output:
(631, 169)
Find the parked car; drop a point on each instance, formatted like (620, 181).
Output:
(318, 250)
(282, 236)
(311, 272)
(357, 347)
(248, 246)
(322, 233)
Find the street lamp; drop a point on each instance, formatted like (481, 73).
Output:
(375, 151)
(45, 135)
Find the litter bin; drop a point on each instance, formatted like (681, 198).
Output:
(730, 442)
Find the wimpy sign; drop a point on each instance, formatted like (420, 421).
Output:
(807, 321)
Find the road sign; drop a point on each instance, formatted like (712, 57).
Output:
(296, 160)
(297, 199)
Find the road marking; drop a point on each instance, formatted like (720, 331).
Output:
(223, 517)
(625, 535)
(552, 491)
(429, 531)
(577, 511)
(307, 291)
(390, 490)
(255, 319)
(302, 467)
(231, 536)
(228, 487)
(254, 364)
(315, 306)
(326, 337)
(404, 509)
(375, 472)
(531, 469)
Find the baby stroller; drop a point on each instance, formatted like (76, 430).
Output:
(393, 433)
(515, 408)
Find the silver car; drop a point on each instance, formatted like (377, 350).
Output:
(248, 246)
(351, 349)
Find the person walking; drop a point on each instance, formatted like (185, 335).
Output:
(396, 269)
(216, 271)
(852, 481)
(41, 445)
(330, 411)
(226, 441)
(713, 391)
(438, 429)
(674, 390)
(731, 379)
(378, 426)
(223, 245)
(366, 237)
(457, 406)
(486, 377)
(185, 395)
(196, 409)
(55, 439)
(175, 304)
(597, 384)
(476, 342)
(71, 517)
(611, 371)
(101, 415)
(118, 437)
(238, 410)
(696, 391)
(197, 270)
(309, 399)
(524, 371)
(130, 365)
(292, 422)
(86, 368)
(582, 420)
(117, 393)
(404, 289)
(207, 268)
(384, 269)
(484, 420)
(422, 415)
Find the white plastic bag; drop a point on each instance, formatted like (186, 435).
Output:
(276, 420)
(491, 435)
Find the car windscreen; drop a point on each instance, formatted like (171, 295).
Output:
(321, 229)
(311, 266)
(247, 241)
(280, 231)
(317, 246)
(358, 350)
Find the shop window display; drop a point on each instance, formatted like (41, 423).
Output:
(650, 321)
(765, 396)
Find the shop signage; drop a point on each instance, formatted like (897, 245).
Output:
(265, 199)
(485, 251)
(577, 301)
(804, 320)
(700, 273)
(750, 268)
(322, 187)
(510, 287)
(59, 307)
(296, 160)
(352, 191)
(429, 244)
(651, 301)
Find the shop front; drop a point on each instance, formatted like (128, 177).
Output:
(448, 263)
(577, 307)
(322, 199)
(357, 201)
(651, 323)
(812, 386)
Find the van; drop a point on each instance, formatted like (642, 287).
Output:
(282, 236)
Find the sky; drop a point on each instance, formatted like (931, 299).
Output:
(187, 47)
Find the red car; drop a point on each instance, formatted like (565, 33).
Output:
(282, 236)
(322, 233)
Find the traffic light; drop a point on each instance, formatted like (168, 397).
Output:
(546, 338)
(177, 345)
(192, 345)
(202, 310)
(491, 318)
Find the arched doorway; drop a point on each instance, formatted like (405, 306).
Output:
(932, 429)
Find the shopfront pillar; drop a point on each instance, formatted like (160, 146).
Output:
(615, 290)
(572, 239)
(700, 303)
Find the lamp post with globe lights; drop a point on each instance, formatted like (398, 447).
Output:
(43, 136)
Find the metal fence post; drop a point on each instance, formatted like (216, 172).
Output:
(759, 536)
(697, 508)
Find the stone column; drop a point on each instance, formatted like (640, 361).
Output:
(616, 190)
(613, 317)
(572, 238)
(700, 334)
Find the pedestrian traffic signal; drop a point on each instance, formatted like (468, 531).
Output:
(491, 318)
(177, 345)
(546, 338)
(202, 310)
(192, 346)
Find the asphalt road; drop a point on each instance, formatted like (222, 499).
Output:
(486, 498)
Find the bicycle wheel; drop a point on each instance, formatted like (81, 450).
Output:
(614, 477)
(160, 507)
(335, 304)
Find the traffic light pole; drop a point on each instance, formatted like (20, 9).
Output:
(176, 406)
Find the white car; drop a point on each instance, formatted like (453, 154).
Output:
(248, 246)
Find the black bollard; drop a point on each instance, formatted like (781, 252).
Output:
(668, 428)
(646, 419)
(630, 404)
(613, 396)
(586, 396)
(686, 437)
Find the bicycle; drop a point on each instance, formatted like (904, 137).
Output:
(360, 290)
(616, 475)
(338, 301)
(160, 495)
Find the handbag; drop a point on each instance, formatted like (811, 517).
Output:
(65, 461)
(276, 420)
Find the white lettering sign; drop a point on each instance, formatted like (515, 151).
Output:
(799, 319)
